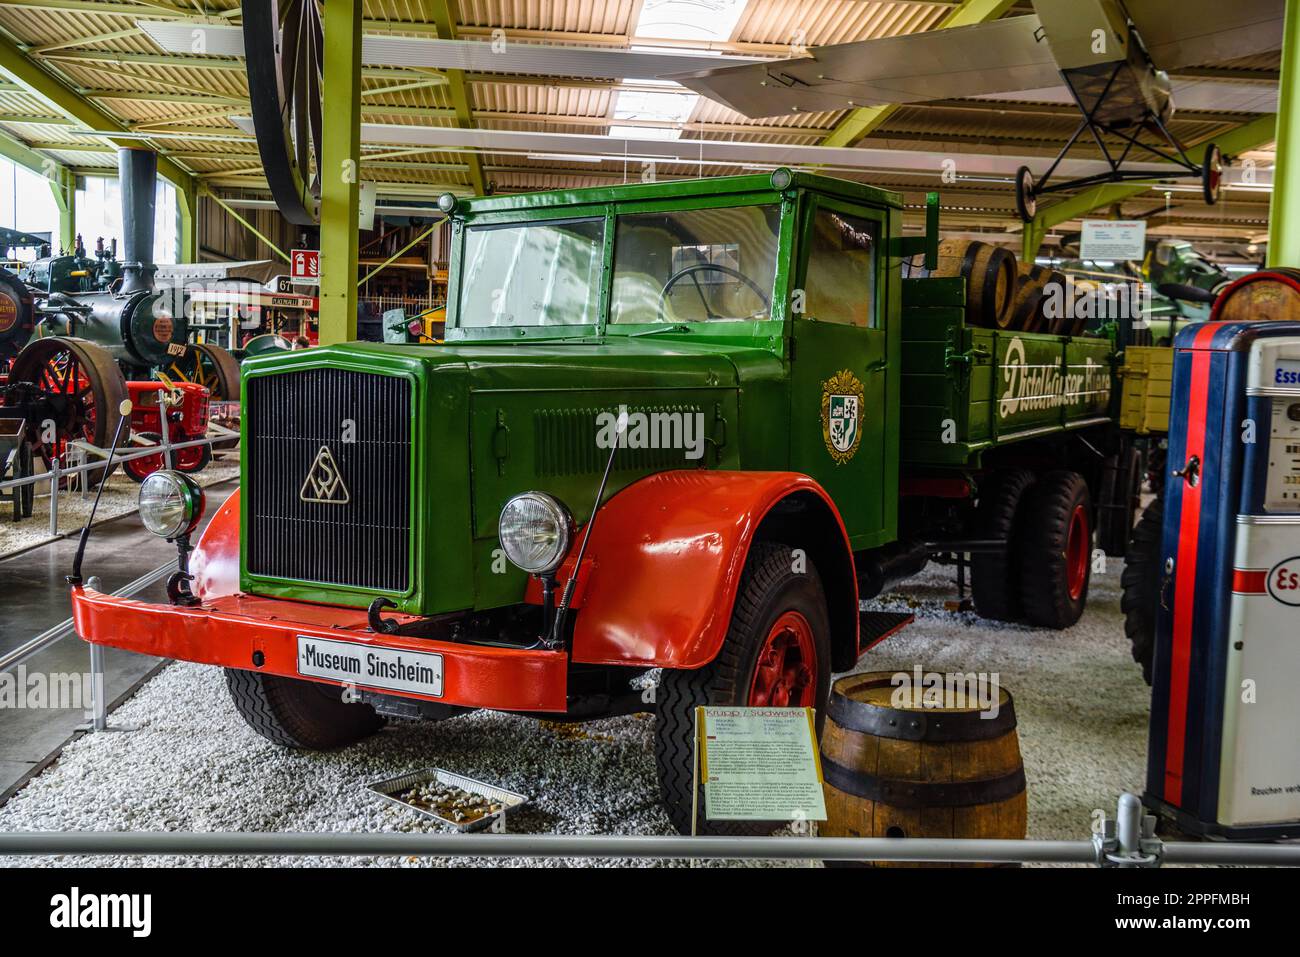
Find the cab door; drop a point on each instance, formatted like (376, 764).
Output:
(839, 432)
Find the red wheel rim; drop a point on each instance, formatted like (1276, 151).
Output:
(1077, 552)
(786, 673)
(62, 380)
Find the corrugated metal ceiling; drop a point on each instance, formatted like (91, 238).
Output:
(186, 103)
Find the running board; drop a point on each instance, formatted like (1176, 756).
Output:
(875, 626)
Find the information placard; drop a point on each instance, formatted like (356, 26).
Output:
(1119, 240)
(759, 764)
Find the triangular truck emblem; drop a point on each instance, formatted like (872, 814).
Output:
(324, 483)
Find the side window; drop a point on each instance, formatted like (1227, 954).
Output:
(840, 283)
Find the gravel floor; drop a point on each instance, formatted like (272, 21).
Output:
(119, 499)
(189, 762)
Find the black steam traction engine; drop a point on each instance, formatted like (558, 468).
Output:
(68, 383)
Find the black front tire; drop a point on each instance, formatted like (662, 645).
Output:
(994, 587)
(769, 587)
(1141, 583)
(1048, 563)
(299, 714)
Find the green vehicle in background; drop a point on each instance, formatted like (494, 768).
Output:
(681, 427)
(1183, 285)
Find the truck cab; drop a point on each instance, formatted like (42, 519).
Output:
(661, 437)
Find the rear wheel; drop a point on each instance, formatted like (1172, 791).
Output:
(1026, 197)
(776, 654)
(1055, 550)
(1141, 583)
(1212, 174)
(75, 391)
(993, 583)
(1121, 493)
(299, 714)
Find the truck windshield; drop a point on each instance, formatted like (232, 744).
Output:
(532, 274)
(695, 265)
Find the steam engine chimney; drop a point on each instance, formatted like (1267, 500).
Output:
(137, 171)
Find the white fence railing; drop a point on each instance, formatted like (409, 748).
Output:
(57, 471)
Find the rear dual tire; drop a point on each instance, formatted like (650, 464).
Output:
(1043, 575)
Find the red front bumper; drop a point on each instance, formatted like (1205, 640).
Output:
(231, 630)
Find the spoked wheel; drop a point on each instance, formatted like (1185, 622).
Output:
(776, 654)
(74, 393)
(193, 459)
(1026, 197)
(210, 366)
(1212, 174)
(283, 51)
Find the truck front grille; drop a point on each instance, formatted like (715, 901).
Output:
(327, 489)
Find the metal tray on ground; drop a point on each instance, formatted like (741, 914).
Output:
(389, 788)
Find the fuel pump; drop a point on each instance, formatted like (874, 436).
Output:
(1224, 743)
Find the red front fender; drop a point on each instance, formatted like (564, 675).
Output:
(215, 559)
(665, 560)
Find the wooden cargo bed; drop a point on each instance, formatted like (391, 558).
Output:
(967, 389)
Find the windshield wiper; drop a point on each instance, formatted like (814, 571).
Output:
(659, 329)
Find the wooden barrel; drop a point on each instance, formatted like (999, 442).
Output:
(990, 274)
(919, 771)
(1033, 285)
(1272, 294)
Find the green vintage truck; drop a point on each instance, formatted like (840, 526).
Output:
(681, 428)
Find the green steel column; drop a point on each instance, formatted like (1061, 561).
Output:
(340, 191)
(187, 220)
(63, 183)
(1284, 211)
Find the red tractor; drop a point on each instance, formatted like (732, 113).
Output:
(186, 407)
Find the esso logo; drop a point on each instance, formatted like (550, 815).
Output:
(1284, 581)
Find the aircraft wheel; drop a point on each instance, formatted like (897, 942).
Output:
(1026, 198)
(1212, 174)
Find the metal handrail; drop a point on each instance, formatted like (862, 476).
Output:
(117, 457)
(917, 850)
(66, 627)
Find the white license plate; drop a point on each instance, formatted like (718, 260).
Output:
(388, 669)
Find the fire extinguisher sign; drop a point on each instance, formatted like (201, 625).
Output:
(304, 265)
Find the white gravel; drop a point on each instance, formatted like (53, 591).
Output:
(190, 763)
(119, 499)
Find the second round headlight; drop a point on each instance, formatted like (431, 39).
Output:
(171, 503)
(536, 530)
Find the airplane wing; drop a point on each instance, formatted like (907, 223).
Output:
(998, 57)
(1180, 33)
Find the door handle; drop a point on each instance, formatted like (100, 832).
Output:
(1191, 472)
(878, 366)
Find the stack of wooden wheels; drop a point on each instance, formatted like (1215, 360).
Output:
(1001, 294)
(919, 771)
(1037, 287)
(1272, 294)
(990, 275)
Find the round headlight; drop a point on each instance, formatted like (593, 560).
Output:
(535, 532)
(447, 203)
(171, 504)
